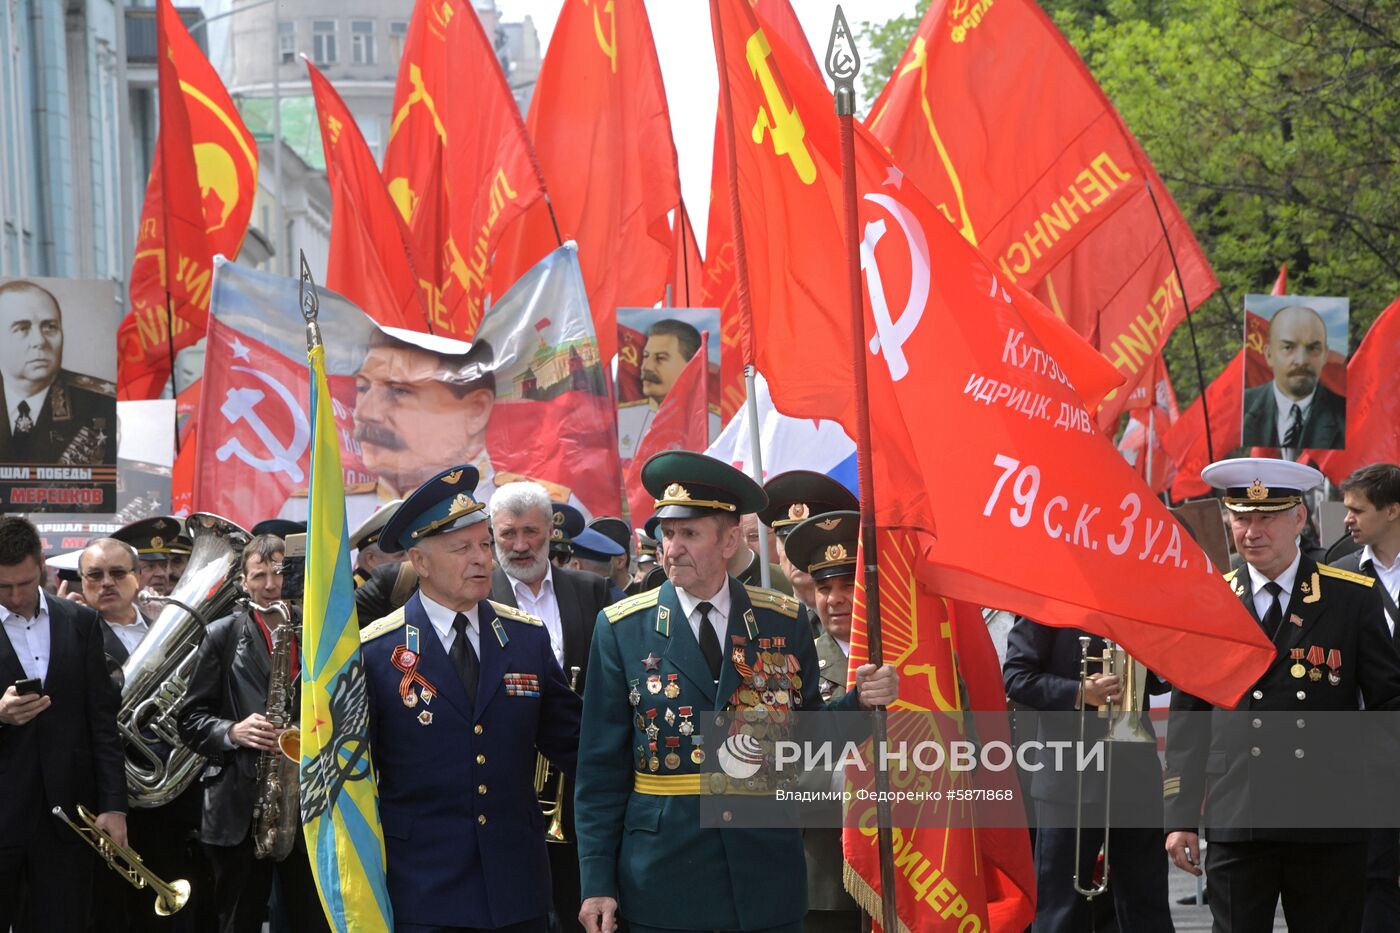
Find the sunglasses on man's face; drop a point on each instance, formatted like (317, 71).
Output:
(118, 574)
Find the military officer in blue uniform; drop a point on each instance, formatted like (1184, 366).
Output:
(697, 644)
(1256, 767)
(463, 691)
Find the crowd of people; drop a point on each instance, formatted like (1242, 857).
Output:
(496, 632)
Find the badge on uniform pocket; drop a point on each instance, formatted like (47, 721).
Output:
(522, 685)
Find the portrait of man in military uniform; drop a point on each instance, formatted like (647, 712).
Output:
(670, 345)
(53, 415)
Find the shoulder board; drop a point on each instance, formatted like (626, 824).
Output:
(515, 615)
(91, 383)
(382, 626)
(772, 599)
(631, 604)
(1230, 577)
(1338, 573)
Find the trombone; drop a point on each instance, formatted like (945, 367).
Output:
(170, 896)
(1124, 725)
(553, 807)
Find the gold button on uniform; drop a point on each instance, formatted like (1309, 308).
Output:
(481, 819)
(481, 789)
(478, 729)
(481, 759)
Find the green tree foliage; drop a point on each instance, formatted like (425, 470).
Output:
(1276, 126)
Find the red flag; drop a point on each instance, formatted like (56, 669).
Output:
(1152, 410)
(1373, 406)
(599, 99)
(1281, 283)
(682, 422)
(687, 276)
(1185, 441)
(369, 261)
(1052, 185)
(198, 200)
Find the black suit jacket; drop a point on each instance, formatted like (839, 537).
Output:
(77, 424)
(581, 596)
(1041, 672)
(1324, 428)
(229, 683)
(1353, 563)
(1249, 774)
(70, 753)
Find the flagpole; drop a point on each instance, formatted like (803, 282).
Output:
(163, 140)
(1190, 325)
(842, 65)
(741, 272)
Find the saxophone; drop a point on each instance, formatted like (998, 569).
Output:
(277, 811)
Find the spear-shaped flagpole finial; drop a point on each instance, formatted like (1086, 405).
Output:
(310, 304)
(843, 63)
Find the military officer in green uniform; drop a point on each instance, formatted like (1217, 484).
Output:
(794, 497)
(699, 643)
(824, 548)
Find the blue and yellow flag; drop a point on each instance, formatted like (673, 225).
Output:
(339, 796)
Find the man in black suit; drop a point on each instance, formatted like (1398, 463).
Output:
(224, 717)
(51, 415)
(1041, 672)
(568, 602)
(1295, 410)
(1255, 771)
(1372, 499)
(58, 747)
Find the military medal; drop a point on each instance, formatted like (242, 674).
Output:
(651, 661)
(426, 718)
(1334, 661)
(781, 697)
(641, 757)
(410, 699)
(697, 754)
(634, 696)
(686, 727)
(654, 684)
(1297, 670)
(405, 660)
(1315, 657)
(653, 763)
(673, 689)
(652, 728)
(641, 723)
(673, 758)
(670, 716)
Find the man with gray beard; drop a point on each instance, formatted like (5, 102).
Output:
(568, 602)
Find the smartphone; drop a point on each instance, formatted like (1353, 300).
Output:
(28, 687)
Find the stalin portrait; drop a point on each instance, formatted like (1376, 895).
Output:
(52, 415)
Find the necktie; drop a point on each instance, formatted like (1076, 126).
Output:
(463, 658)
(1274, 617)
(709, 641)
(23, 423)
(1295, 427)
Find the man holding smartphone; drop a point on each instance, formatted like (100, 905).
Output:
(59, 742)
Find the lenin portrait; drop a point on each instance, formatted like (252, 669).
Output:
(1295, 409)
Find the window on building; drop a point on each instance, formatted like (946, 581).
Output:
(362, 41)
(287, 42)
(398, 34)
(323, 50)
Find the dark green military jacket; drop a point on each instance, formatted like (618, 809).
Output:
(638, 820)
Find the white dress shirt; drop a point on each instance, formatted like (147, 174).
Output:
(442, 619)
(13, 398)
(1262, 599)
(1284, 404)
(1387, 577)
(129, 635)
(30, 638)
(719, 615)
(544, 607)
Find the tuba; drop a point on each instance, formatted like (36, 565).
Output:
(553, 803)
(1124, 725)
(277, 810)
(155, 678)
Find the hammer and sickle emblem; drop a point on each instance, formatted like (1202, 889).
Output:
(419, 95)
(608, 42)
(892, 334)
(779, 121)
(242, 405)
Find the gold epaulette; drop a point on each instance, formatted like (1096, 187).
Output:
(631, 604)
(1349, 576)
(90, 383)
(772, 599)
(379, 627)
(515, 615)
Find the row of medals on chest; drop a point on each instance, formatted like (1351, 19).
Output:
(1316, 655)
(768, 689)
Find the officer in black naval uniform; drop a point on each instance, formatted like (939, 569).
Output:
(50, 415)
(1042, 673)
(462, 692)
(697, 644)
(1333, 653)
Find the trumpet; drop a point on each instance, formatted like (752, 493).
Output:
(553, 806)
(1124, 725)
(170, 895)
